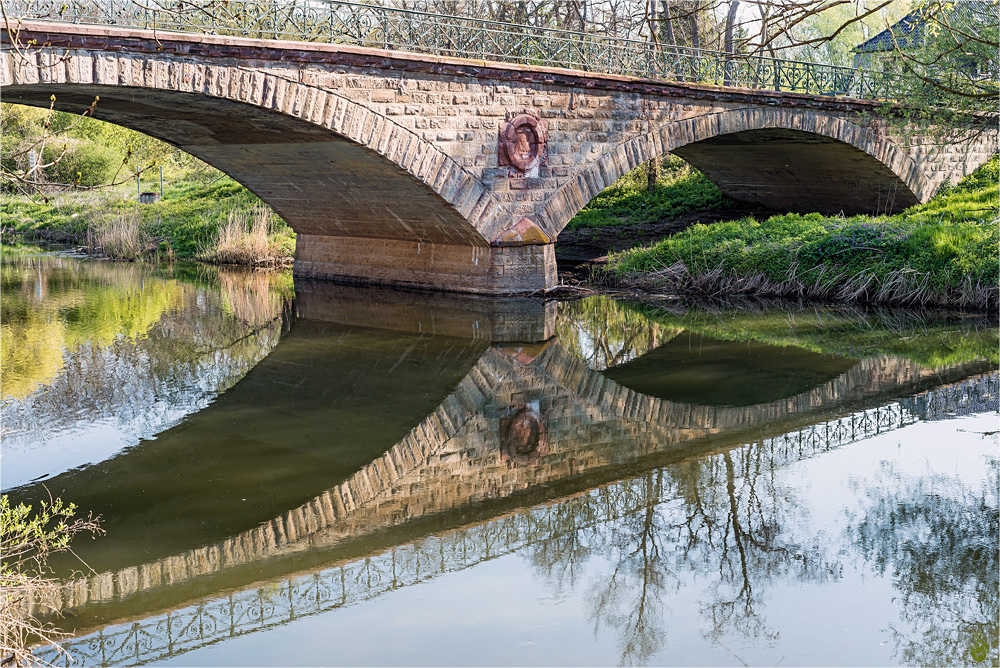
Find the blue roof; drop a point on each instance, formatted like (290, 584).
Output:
(910, 29)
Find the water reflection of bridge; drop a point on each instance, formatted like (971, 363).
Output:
(456, 469)
(258, 608)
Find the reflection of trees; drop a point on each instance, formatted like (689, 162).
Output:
(632, 599)
(719, 518)
(88, 341)
(939, 540)
(51, 305)
(604, 333)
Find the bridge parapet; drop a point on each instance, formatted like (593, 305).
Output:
(396, 29)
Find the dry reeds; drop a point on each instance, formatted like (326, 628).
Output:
(121, 238)
(245, 239)
(902, 287)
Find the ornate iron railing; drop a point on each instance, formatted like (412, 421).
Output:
(369, 25)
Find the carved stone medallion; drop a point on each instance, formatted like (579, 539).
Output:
(521, 145)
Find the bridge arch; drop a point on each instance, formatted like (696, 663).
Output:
(767, 156)
(246, 122)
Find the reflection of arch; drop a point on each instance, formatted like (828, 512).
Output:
(386, 569)
(869, 378)
(886, 165)
(595, 430)
(244, 121)
(727, 373)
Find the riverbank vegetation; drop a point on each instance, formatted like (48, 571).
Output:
(29, 537)
(679, 190)
(943, 253)
(202, 214)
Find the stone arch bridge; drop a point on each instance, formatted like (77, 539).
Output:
(455, 174)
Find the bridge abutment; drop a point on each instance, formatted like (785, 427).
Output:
(493, 270)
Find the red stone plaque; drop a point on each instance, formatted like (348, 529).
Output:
(521, 146)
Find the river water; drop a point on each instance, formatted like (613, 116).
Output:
(298, 473)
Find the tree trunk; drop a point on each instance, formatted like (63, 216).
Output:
(668, 24)
(652, 170)
(695, 36)
(728, 46)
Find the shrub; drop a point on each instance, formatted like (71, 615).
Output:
(245, 238)
(121, 238)
(84, 163)
(29, 537)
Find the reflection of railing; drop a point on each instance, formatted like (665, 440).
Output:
(248, 611)
(372, 26)
(972, 396)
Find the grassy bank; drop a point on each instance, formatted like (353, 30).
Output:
(943, 253)
(679, 190)
(214, 220)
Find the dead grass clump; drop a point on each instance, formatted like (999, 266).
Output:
(246, 239)
(903, 287)
(121, 238)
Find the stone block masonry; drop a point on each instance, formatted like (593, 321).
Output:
(386, 164)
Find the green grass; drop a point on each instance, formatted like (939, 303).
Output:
(181, 224)
(944, 252)
(679, 190)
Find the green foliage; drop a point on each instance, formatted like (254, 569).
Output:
(944, 70)
(97, 151)
(940, 246)
(186, 219)
(29, 537)
(83, 163)
(680, 189)
(841, 30)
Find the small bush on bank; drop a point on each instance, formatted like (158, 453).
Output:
(29, 536)
(121, 238)
(83, 163)
(944, 252)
